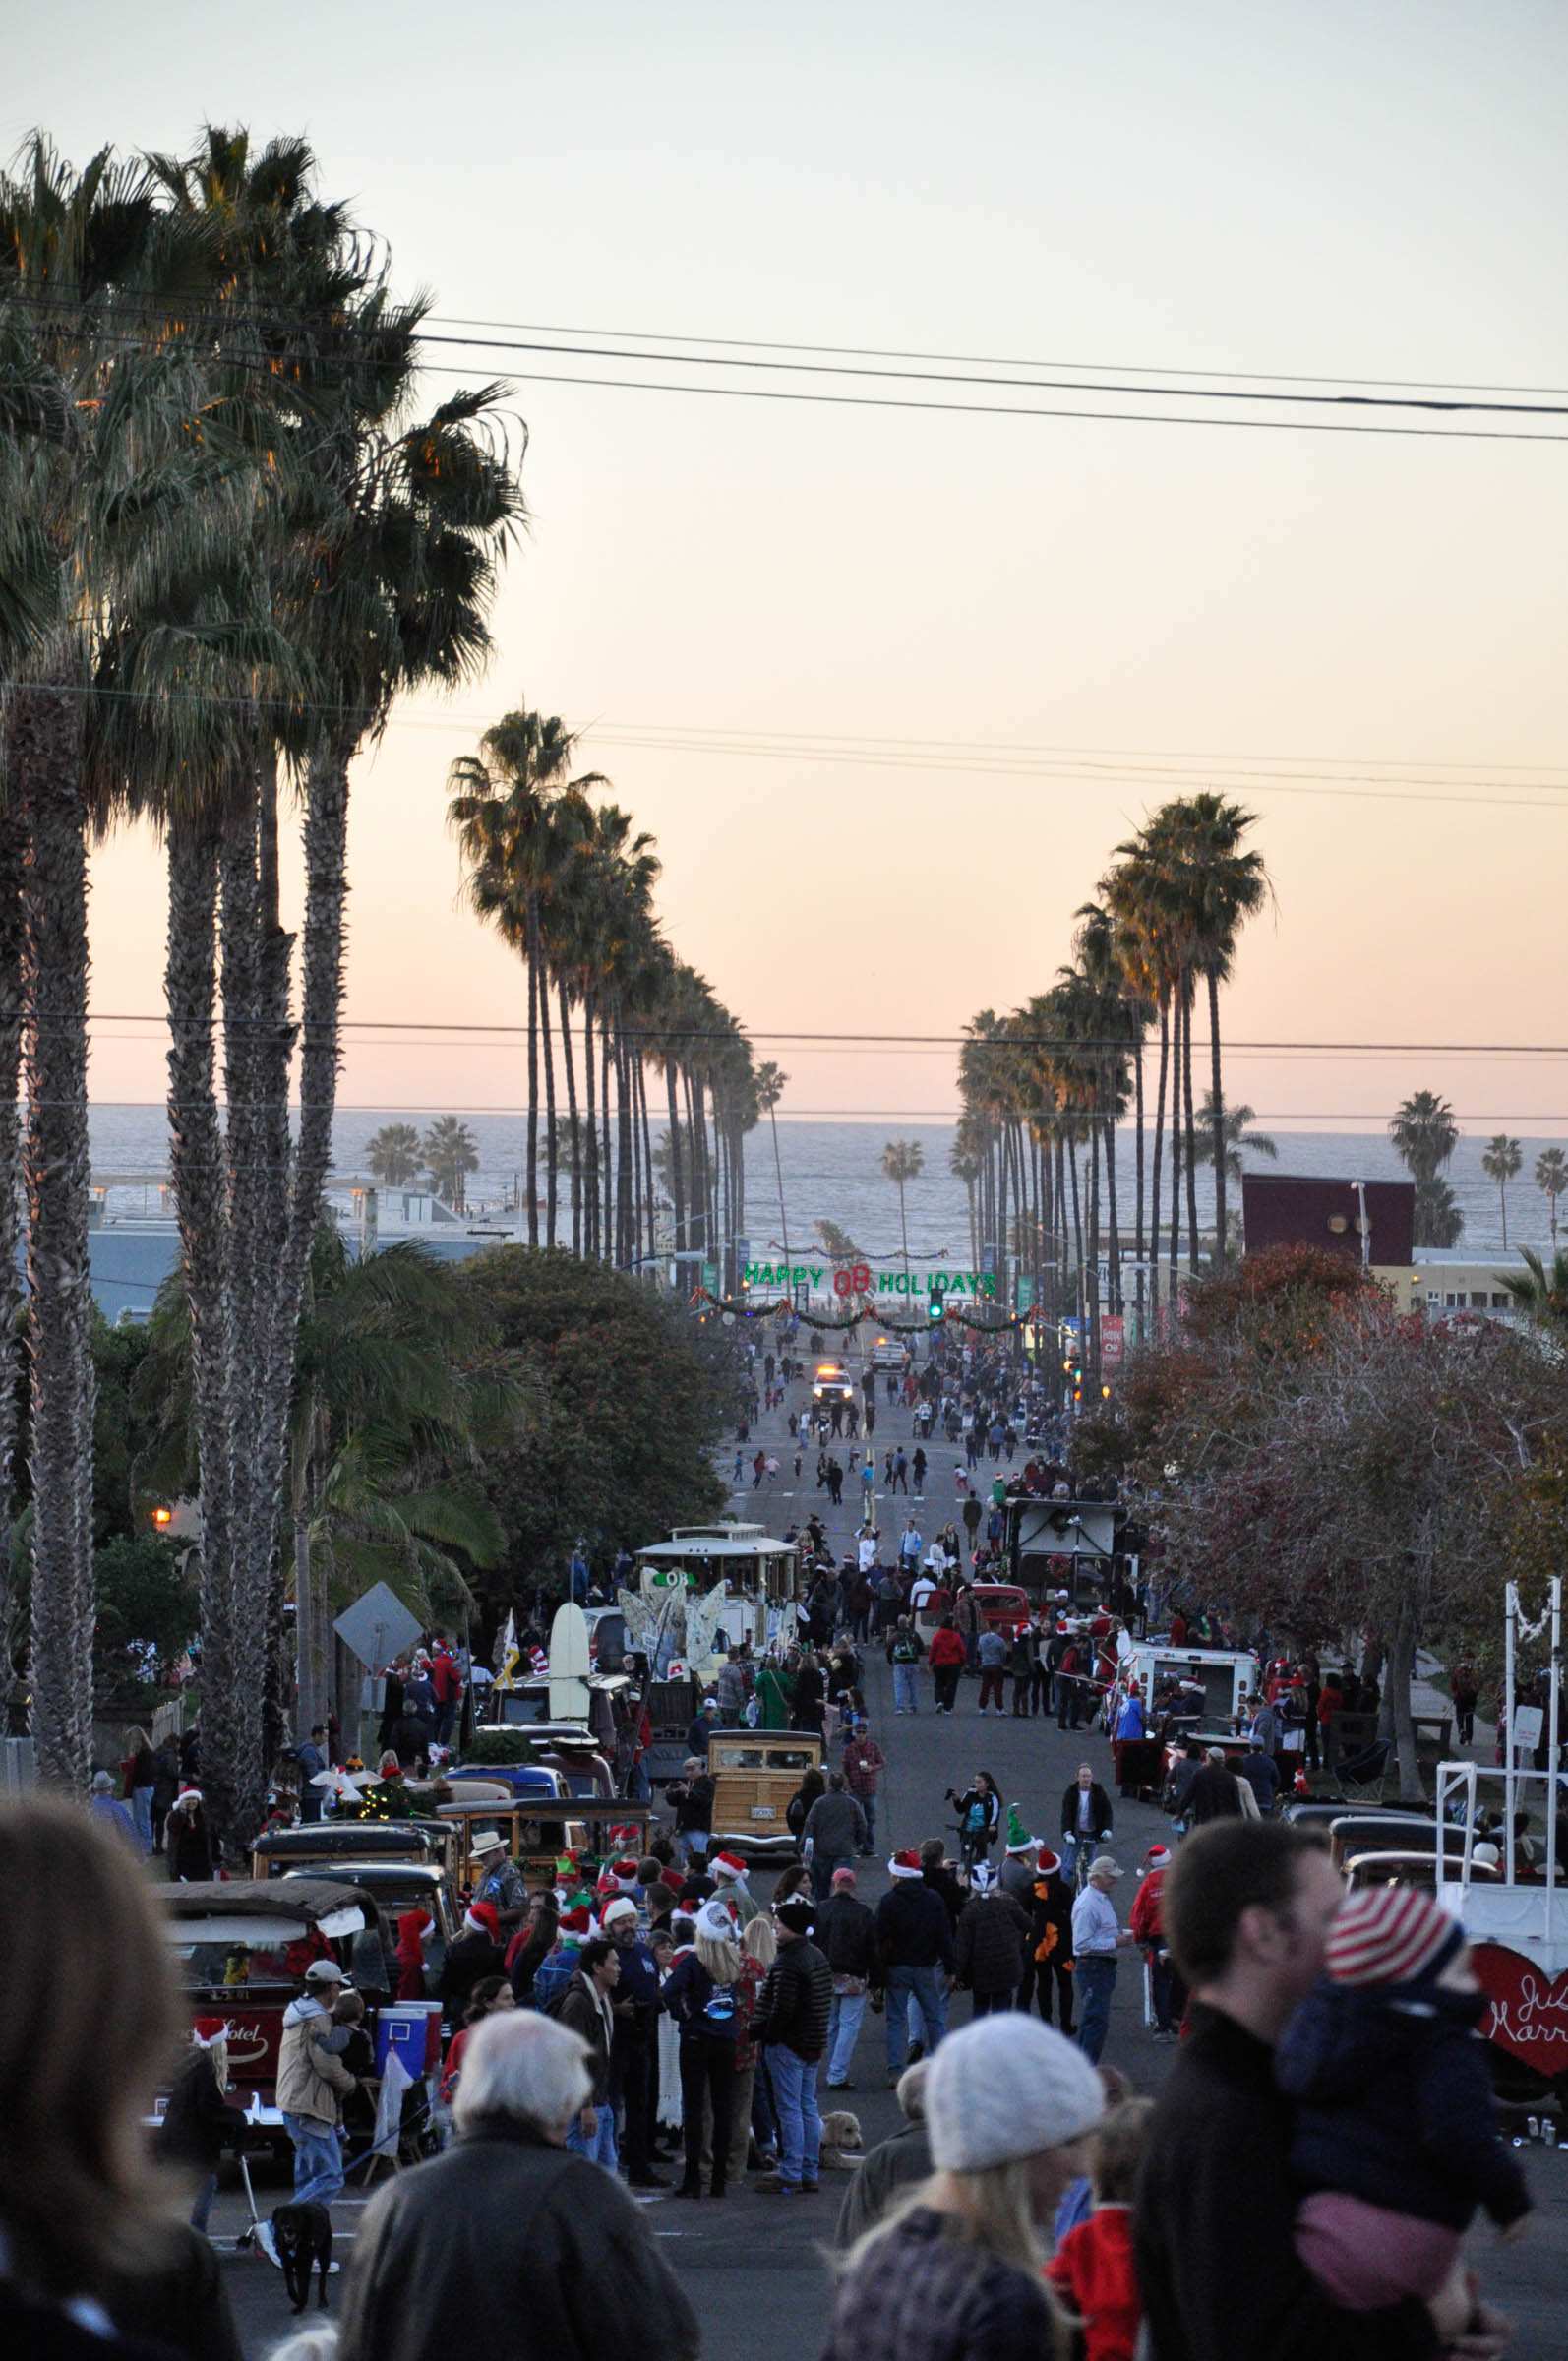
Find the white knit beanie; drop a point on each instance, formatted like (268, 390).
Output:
(1004, 2087)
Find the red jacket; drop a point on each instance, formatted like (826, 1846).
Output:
(1146, 1918)
(1093, 2269)
(946, 1648)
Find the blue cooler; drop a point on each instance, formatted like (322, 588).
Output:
(412, 2028)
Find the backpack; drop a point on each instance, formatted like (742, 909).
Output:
(905, 1652)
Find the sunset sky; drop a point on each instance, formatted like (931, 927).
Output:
(1330, 189)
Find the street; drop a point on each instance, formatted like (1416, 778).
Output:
(755, 2266)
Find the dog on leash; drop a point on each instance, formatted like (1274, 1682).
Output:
(304, 2237)
(841, 2141)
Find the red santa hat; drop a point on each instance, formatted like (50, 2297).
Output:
(727, 1865)
(904, 1864)
(483, 1918)
(579, 1921)
(1158, 1856)
(206, 2032)
(625, 1870)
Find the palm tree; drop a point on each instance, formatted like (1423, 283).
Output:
(451, 1153)
(1500, 1161)
(518, 818)
(965, 1161)
(1539, 1292)
(1551, 1178)
(393, 1154)
(903, 1161)
(769, 1082)
(1424, 1133)
(1239, 1140)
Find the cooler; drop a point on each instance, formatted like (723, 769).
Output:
(412, 2028)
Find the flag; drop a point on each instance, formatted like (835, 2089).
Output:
(509, 1652)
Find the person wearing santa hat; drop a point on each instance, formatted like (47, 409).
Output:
(477, 1952)
(729, 1875)
(1167, 1991)
(914, 1946)
(198, 2123)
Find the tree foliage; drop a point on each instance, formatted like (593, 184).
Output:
(627, 1401)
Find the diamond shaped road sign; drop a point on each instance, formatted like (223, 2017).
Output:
(377, 1628)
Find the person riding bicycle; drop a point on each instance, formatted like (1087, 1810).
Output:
(979, 1818)
(1087, 1820)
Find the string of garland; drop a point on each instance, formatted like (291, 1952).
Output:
(749, 1308)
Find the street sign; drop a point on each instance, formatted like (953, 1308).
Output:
(1528, 1722)
(1113, 1339)
(377, 1628)
(710, 1277)
(1026, 1293)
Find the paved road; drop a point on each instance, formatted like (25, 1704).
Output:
(754, 2265)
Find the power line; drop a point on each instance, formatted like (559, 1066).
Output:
(985, 360)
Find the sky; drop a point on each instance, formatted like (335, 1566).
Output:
(1325, 189)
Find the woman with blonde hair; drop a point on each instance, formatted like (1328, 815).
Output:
(198, 2123)
(754, 2097)
(89, 2022)
(703, 1997)
(955, 2272)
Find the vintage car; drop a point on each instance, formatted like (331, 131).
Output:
(755, 1773)
(316, 1845)
(240, 1947)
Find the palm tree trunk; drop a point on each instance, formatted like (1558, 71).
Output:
(530, 937)
(676, 1171)
(1217, 1088)
(574, 1136)
(1137, 1153)
(1189, 998)
(642, 1073)
(778, 1175)
(1092, 1297)
(626, 1198)
(11, 1013)
(610, 1231)
(45, 777)
(551, 1142)
(590, 1133)
(1113, 1226)
(1158, 1139)
(1176, 1139)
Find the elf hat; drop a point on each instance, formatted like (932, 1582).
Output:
(577, 1922)
(904, 1864)
(1018, 1837)
(1390, 1935)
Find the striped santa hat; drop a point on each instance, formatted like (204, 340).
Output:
(1390, 1935)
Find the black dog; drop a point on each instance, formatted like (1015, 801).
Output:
(304, 2235)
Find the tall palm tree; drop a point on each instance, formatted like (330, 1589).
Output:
(393, 1154)
(769, 1083)
(1425, 1132)
(1500, 1161)
(518, 815)
(1551, 1178)
(451, 1153)
(903, 1161)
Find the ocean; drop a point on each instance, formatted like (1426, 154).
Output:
(832, 1171)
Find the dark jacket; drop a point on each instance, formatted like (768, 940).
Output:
(888, 2172)
(580, 2011)
(694, 1802)
(792, 2008)
(1222, 2126)
(1099, 1812)
(1262, 1775)
(469, 1960)
(912, 1928)
(944, 1883)
(198, 2123)
(836, 1827)
(992, 1934)
(516, 2248)
(846, 1936)
(703, 2008)
(180, 2304)
(923, 2294)
(1212, 1795)
(1395, 2108)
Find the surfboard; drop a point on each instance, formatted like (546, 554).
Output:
(569, 1664)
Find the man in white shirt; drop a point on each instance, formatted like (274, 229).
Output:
(1097, 1937)
(866, 1551)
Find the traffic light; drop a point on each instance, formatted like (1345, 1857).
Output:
(936, 1310)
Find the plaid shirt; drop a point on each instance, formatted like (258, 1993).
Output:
(864, 1765)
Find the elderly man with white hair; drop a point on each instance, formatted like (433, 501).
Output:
(509, 2241)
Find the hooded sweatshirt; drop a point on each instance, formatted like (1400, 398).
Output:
(312, 2078)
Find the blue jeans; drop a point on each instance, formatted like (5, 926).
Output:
(867, 1804)
(799, 2126)
(843, 2030)
(1096, 1979)
(692, 1843)
(904, 1690)
(318, 2159)
(202, 2208)
(823, 1865)
(141, 1814)
(600, 2148)
(922, 1986)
